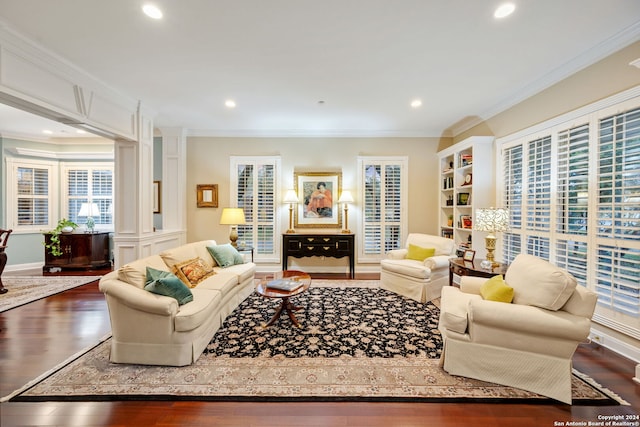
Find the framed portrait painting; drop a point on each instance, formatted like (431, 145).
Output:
(318, 193)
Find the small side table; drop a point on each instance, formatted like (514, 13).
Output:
(472, 268)
(246, 249)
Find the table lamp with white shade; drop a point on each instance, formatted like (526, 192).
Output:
(291, 198)
(346, 198)
(90, 211)
(491, 220)
(233, 217)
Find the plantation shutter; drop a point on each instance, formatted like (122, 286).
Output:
(573, 180)
(89, 184)
(618, 213)
(383, 186)
(255, 181)
(538, 210)
(32, 191)
(512, 196)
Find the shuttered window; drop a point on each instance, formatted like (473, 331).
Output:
(538, 208)
(573, 180)
(618, 213)
(32, 208)
(89, 192)
(30, 186)
(590, 223)
(512, 195)
(383, 186)
(255, 181)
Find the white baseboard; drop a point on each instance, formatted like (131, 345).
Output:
(23, 267)
(627, 350)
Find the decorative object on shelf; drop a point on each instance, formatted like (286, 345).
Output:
(233, 217)
(466, 221)
(466, 159)
(449, 201)
(463, 199)
(89, 211)
(346, 198)
(64, 226)
(292, 199)
(468, 179)
(469, 254)
(157, 193)
(207, 195)
(491, 220)
(317, 207)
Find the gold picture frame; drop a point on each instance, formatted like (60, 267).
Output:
(318, 193)
(207, 195)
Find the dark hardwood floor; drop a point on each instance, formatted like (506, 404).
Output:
(36, 337)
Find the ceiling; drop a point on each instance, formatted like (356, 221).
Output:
(324, 68)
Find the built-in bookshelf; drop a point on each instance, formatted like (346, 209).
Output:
(466, 184)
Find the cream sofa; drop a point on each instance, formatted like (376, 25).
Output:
(153, 329)
(526, 344)
(418, 280)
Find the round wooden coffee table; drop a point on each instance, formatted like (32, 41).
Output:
(286, 305)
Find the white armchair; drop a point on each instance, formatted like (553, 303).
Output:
(420, 280)
(526, 344)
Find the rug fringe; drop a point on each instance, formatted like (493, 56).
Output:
(54, 369)
(593, 383)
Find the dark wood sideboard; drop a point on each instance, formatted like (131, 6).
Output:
(320, 244)
(81, 251)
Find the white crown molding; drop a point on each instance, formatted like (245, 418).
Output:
(594, 54)
(309, 133)
(63, 155)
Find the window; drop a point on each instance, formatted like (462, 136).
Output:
(29, 184)
(383, 184)
(581, 177)
(254, 183)
(89, 192)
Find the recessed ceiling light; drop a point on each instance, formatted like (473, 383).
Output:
(230, 103)
(504, 10)
(80, 131)
(152, 11)
(416, 103)
(47, 132)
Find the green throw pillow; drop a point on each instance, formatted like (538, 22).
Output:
(225, 255)
(419, 253)
(167, 284)
(495, 289)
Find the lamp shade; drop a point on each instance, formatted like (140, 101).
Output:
(492, 219)
(291, 197)
(232, 216)
(89, 209)
(345, 197)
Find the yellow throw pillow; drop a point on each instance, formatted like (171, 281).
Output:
(495, 289)
(419, 253)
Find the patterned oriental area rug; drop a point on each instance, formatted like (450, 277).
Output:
(355, 343)
(26, 289)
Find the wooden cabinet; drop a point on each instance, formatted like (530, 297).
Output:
(466, 184)
(81, 251)
(327, 245)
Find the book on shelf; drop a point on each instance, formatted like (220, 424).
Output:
(286, 284)
(466, 159)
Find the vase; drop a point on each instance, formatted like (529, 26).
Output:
(67, 229)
